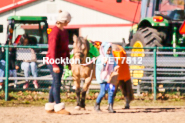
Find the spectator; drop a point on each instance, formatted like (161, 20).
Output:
(2, 65)
(58, 48)
(12, 62)
(29, 64)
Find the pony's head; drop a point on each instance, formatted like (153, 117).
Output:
(80, 48)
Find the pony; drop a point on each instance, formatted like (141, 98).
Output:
(80, 51)
(81, 48)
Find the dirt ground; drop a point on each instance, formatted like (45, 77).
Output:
(35, 114)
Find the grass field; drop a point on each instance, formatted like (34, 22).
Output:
(28, 98)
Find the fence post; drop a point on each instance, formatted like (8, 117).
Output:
(155, 72)
(6, 71)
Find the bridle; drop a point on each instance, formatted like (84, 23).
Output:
(81, 54)
(78, 51)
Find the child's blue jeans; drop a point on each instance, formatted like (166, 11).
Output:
(2, 69)
(103, 87)
(27, 67)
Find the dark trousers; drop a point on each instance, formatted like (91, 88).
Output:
(54, 93)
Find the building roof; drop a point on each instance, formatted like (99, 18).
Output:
(7, 5)
(125, 10)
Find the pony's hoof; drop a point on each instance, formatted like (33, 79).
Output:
(127, 107)
(83, 108)
(77, 108)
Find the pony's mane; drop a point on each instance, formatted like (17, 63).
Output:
(84, 41)
(78, 46)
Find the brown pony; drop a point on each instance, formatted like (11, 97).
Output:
(80, 50)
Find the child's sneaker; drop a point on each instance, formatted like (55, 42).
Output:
(1, 85)
(25, 86)
(15, 85)
(35, 84)
(97, 107)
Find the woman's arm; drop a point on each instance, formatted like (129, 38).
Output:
(116, 66)
(53, 40)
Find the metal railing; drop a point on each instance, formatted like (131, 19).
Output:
(161, 66)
